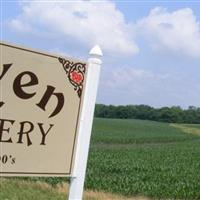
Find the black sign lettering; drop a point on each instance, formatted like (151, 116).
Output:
(49, 92)
(6, 67)
(1, 103)
(17, 85)
(22, 132)
(44, 134)
(2, 130)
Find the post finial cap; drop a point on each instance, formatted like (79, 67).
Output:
(96, 51)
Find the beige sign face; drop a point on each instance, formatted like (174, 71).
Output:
(40, 105)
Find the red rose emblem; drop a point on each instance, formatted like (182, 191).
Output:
(76, 77)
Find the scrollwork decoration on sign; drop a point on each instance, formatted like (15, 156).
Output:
(75, 73)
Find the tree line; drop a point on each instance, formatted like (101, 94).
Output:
(174, 114)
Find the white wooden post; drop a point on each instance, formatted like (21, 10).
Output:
(83, 142)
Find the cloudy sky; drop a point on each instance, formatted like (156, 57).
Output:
(151, 48)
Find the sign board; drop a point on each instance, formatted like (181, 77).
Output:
(40, 104)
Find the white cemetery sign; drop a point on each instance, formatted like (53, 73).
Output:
(46, 113)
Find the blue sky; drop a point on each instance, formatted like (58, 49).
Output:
(151, 48)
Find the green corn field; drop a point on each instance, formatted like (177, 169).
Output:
(135, 157)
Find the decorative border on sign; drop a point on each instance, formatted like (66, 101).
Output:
(75, 73)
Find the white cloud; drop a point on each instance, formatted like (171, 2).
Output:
(88, 22)
(19, 26)
(127, 78)
(139, 86)
(178, 31)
